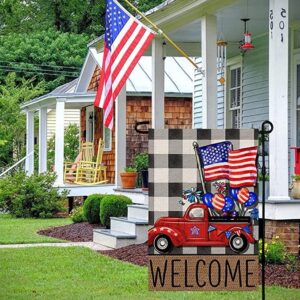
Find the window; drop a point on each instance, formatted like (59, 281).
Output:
(234, 97)
(90, 124)
(107, 138)
(196, 213)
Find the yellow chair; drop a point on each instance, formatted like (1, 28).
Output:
(89, 172)
(70, 168)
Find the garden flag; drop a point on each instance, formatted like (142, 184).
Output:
(125, 41)
(242, 167)
(214, 160)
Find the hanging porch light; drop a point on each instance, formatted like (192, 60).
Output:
(247, 40)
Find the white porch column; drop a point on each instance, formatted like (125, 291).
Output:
(42, 140)
(120, 135)
(209, 64)
(278, 99)
(59, 141)
(29, 162)
(158, 84)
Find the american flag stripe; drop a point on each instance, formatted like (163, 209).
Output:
(126, 39)
(242, 167)
(134, 58)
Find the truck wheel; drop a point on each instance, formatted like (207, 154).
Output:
(162, 244)
(238, 244)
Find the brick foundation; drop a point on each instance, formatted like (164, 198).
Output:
(287, 231)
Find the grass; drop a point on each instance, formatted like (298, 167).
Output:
(79, 273)
(20, 231)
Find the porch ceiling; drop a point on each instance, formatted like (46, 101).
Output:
(186, 29)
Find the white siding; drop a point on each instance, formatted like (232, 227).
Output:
(197, 101)
(197, 109)
(72, 116)
(255, 86)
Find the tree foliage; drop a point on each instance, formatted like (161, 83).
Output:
(145, 5)
(71, 145)
(50, 55)
(12, 121)
(76, 16)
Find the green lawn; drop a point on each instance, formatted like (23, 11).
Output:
(80, 273)
(20, 231)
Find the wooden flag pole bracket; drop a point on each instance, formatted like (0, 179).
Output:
(159, 31)
(266, 128)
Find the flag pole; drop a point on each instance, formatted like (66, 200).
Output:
(158, 30)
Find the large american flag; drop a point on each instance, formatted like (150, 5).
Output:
(214, 160)
(126, 39)
(242, 167)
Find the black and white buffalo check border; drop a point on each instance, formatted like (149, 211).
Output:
(173, 168)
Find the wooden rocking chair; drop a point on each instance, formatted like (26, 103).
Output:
(89, 172)
(70, 168)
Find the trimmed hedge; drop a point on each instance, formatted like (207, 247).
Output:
(113, 206)
(91, 208)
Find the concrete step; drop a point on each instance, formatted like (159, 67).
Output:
(113, 239)
(136, 195)
(127, 225)
(138, 211)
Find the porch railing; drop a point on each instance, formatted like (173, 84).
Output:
(16, 164)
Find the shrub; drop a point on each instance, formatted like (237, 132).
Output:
(31, 196)
(77, 215)
(113, 206)
(141, 161)
(274, 251)
(91, 208)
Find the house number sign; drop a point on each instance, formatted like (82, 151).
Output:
(278, 20)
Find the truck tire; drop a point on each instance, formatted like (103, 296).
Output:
(163, 244)
(238, 244)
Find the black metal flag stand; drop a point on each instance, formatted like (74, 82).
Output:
(266, 129)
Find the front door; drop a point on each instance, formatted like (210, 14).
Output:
(89, 123)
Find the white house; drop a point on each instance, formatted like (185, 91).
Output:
(72, 116)
(260, 83)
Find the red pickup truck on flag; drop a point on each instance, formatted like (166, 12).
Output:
(198, 228)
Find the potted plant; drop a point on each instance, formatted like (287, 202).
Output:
(295, 190)
(141, 163)
(128, 177)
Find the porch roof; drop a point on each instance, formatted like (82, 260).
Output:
(181, 20)
(178, 83)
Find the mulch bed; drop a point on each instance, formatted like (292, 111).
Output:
(137, 254)
(275, 274)
(77, 232)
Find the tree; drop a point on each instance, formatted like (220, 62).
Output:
(145, 5)
(50, 55)
(12, 121)
(71, 145)
(75, 16)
